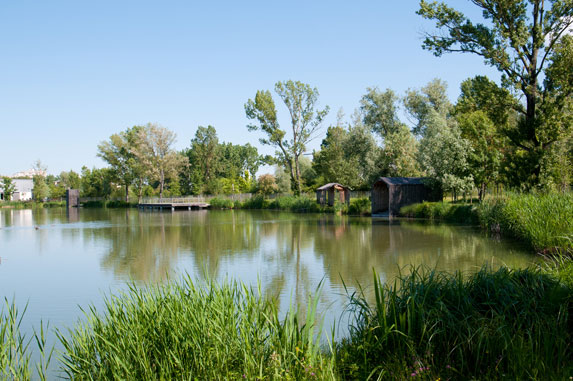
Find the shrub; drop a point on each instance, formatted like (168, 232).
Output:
(360, 206)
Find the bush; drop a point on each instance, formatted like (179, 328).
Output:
(360, 206)
(446, 211)
(221, 203)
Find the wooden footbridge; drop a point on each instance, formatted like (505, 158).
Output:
(174, 203)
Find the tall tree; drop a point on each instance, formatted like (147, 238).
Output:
(443, 154)
(301, 101)
(8, 188)
(484, 112)
(519, 41)
(119, 153)
(421, 103)
(155, 152)
(380, 110)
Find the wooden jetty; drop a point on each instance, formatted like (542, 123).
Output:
(173, 203)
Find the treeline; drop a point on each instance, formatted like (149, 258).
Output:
(517, 133)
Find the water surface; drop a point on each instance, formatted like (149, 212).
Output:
(58, 261)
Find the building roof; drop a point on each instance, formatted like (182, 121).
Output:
(402, 180)
(330, 185)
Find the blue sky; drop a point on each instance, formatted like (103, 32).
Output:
(72, 73)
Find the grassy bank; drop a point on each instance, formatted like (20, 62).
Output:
(109, 204)
(297, 204)
(507, 324)
(543, 221)
(32, 204)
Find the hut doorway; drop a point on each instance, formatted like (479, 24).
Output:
(380, 198)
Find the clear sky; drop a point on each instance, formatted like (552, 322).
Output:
(73, 72)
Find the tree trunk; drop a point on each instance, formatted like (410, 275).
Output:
(127, 193)
(297, 169)
(161, 181)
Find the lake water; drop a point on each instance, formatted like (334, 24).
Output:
(57, 261)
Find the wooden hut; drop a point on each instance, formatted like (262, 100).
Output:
(326, 194)
(389, 194)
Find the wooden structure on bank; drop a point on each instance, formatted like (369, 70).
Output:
(72, 198)
(389, 194)
(326, 194)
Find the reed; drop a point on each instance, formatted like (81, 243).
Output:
(544, 221)
(186, 330)
(513, 324)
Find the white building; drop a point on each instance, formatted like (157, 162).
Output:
(23, 190)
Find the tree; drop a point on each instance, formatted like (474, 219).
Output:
(119, 153)
(154, 151)
(332, 163)
(399, 155)
(267, 184)
(301, 102)
(520, 41)
(96, 182)
(443, 154)
(380, 111)
(40, 191)
(420, 104)
(8, 188)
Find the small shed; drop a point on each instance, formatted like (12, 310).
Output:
(389, 194)
(326, 193)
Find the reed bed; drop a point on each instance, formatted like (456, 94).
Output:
(508, 324)
(544, 221)
(186, 330)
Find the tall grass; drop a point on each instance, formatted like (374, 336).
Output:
(446, 211)
(185, 330)
(544, 221)
(15, 350)
(513, 324)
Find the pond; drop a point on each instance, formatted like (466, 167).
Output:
(57, 261)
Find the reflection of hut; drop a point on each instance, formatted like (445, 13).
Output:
(329, 189)
(389, 194)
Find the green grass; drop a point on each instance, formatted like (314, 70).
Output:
(446, 211)
(508, 324)
(32, 204)
(188, 330)
(544, 221)
(297, 204)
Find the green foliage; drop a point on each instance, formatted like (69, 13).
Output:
(446, 211)
(360, 206)
(522, 39)
(41, 191)
(301, 100)
(8, 188)
(120, 152)
(544, 221)
(221, 203)
(218, 168)
(15, 350)
(187, 330)
(512, 324)
(381, 111)
(96, 182)
(443, 154)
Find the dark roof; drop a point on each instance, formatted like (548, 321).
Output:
(402, 180)
(330, 185)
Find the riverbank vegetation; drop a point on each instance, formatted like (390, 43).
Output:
(543, 221)
(513, 324)
(297, 204)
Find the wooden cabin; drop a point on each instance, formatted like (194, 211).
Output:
(389, 194)
(326, 194)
